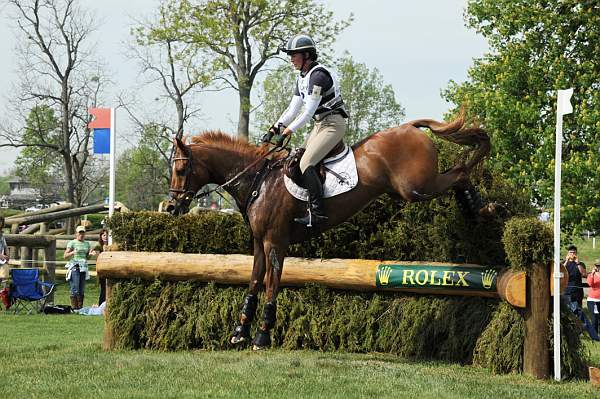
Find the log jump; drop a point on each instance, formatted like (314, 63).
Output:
(353, 274)
(529, 291)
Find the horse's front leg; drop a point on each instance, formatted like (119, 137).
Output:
(241, 333)
(274, 254)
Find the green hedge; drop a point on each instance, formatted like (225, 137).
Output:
(178, 316)
(175, 316)
(206, 232)
(527, 241)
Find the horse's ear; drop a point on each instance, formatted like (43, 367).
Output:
(177, 142)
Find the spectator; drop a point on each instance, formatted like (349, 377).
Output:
(3, 253)
(3, 247)
(77, 268)
(101, 247)
(576, 271)
(593, 300)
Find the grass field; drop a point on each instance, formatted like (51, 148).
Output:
(61, 356)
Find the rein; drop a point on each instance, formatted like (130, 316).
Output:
(238, 175)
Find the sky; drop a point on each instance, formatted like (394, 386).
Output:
(417, 46)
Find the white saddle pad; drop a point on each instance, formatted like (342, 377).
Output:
(343, 165)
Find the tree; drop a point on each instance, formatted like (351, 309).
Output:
(276, 92)
(539, 47)
(179, 70)
(371, 104)
(143, 171)
(241, 36)
(35, 164)
(178, 67)
(57, 72)
(4, 186)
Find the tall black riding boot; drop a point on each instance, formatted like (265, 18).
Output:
(316, 213)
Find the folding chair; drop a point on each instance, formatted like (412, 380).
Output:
(28, 292)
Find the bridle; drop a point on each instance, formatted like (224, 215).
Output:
(190, 195)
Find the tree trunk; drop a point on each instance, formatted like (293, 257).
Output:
(244, 116)
(66, 150)
(180, 117)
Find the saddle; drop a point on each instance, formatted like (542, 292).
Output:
(291, 168)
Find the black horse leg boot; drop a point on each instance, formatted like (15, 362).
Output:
(316, 212)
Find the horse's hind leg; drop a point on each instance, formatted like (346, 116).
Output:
(468, 200)
(275, 255)
(429, 186)
(467, 196)
(241, 333)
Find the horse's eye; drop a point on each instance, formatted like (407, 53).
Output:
(180, 172)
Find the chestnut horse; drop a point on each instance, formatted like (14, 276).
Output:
(401, 161)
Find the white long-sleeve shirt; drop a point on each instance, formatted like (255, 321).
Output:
(318, 90)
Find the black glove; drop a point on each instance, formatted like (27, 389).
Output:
(279, 141)
(266, 138)
(273, 131)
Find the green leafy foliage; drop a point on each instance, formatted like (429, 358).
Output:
(4, 186)
(39, 164)
(539, 47)
(176, 316)
(527, 242)
(500, 347)
(142, 171)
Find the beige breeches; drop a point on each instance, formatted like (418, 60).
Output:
(324, 136)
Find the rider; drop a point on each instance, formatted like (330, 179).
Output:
(318, 89)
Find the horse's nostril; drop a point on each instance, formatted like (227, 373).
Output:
(170, 208)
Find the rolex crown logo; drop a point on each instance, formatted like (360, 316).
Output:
(487, 278)
(384, 275)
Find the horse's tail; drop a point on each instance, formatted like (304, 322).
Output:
(453, 131)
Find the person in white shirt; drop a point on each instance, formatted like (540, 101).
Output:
(318, 91)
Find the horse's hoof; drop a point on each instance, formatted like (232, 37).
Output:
(262, 340)
(237, 340)
(241, 334)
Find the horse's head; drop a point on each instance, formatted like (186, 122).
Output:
(186, 179)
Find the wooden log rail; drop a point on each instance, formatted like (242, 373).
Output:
(49, 217)
(353, 274)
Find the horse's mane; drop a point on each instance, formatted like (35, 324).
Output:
(220, 140)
